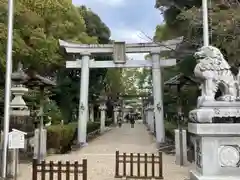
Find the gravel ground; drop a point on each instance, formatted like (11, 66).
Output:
(100, 154)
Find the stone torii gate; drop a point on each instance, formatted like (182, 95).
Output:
(119, 50)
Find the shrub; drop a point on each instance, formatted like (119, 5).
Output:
(169, 128)
(92, 126)
(108, 122)
(61, 137)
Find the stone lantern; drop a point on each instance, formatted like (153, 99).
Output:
(19, 110)
(40, 136)
(18, 105)
(19, 114)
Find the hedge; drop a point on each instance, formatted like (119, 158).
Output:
(108, 122)
(169, 129)
(60, 138)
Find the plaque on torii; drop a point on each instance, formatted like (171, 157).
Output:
(119, 53)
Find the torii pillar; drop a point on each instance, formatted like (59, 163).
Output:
(83, 115)
(157, 97)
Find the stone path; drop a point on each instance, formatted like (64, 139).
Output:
(101, 154)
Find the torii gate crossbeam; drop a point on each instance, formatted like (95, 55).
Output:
(119, 50)
(111, 64)
(129, 48)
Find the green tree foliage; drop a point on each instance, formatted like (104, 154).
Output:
(113, 82)
(67, 91)
(130, 77)
(95, 27)
(180, 20)
(37, 27)
(144, 80)
(184, 17)
(162, 33)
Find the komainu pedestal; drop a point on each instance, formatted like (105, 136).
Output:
(215, 124)
(217, 151)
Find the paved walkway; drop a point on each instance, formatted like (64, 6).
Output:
(101, 154)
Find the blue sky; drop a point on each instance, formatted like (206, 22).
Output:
(126, 18)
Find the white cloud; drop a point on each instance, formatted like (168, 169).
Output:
(130, 36)
(119, 31)
(112, 3)
(127, 35)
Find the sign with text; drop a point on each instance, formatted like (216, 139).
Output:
(16, 139)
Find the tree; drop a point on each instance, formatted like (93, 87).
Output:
(184, 17)
(67, 92)
(176, 24)
(37, 27)
(113, 83)
(129, 79)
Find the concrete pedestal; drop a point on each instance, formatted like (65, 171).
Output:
(103, 109)
(13, 163)
(91, 116)
(217, 151)
(115, 115)
(40, 149)
(181, 147)
(151, 120)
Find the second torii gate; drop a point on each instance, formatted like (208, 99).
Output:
(119, 50)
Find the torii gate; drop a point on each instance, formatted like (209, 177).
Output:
(119, 50)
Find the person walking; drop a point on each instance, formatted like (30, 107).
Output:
(119, 120)
(131, 119)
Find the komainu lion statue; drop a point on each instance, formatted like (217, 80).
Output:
(215, 73)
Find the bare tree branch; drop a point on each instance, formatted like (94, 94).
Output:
(160, 44)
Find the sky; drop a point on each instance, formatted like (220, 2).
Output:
(127, 19)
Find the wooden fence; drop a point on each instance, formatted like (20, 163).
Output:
(59, 170)
(138, 166)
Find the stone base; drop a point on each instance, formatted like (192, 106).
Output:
(217, 130)
(217, 151)
(80, 145)
(43, 150)
(216, 112)
(197, 176)
(181, 147)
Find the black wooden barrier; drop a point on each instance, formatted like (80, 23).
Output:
(135, 163)
(62, 171)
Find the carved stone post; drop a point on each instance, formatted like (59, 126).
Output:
(116, 112)
(146, 115)
(151, 118)
(103, 109)
(143, 112)
(91, 113)
(124, 112)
